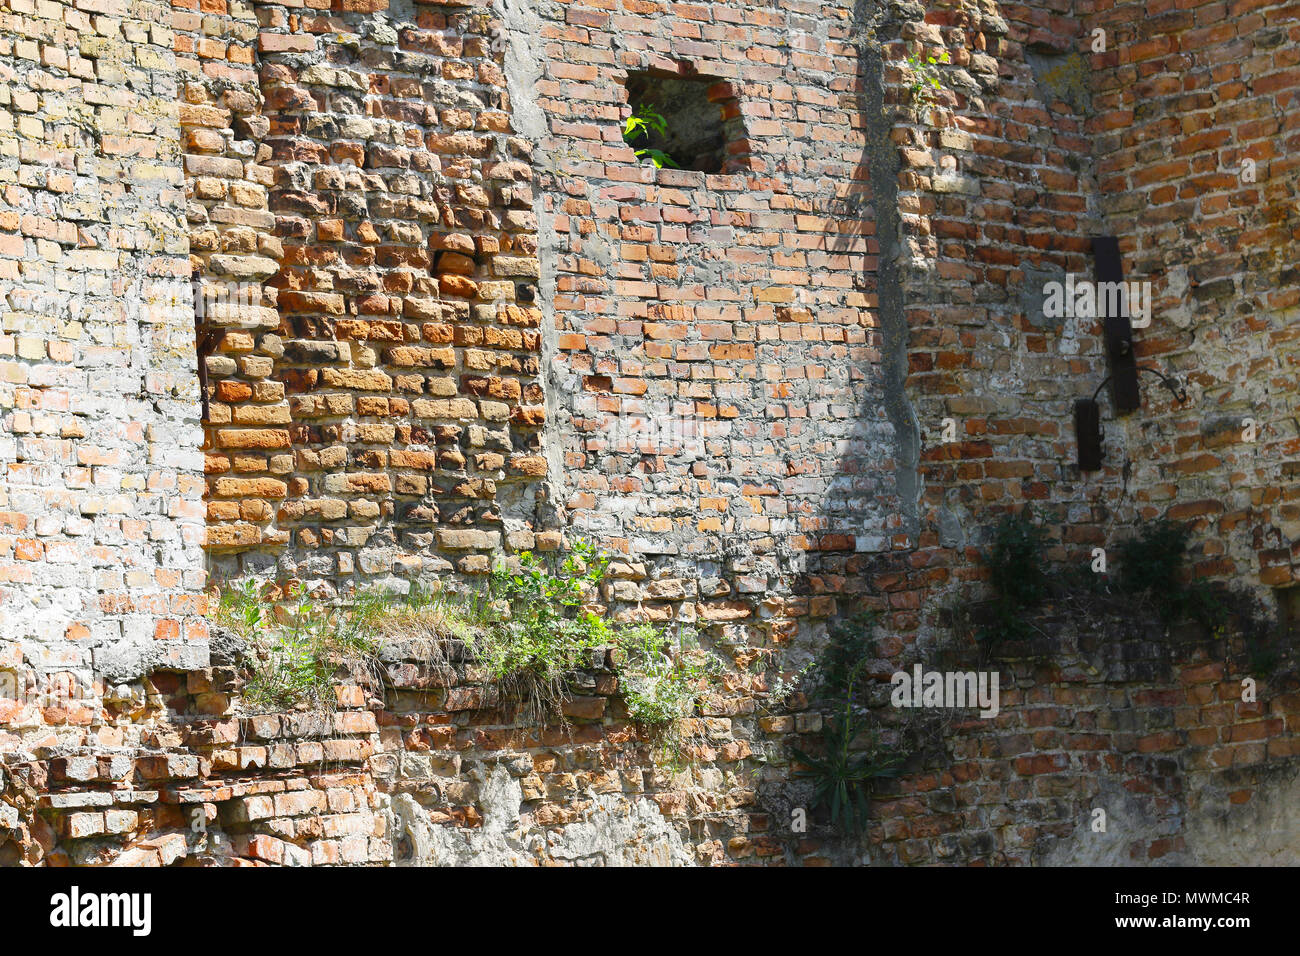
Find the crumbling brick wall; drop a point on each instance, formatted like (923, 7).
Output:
(422, 763)
(1131, 123)
(718, 368)
(382, 422)
(1212, 217)
(444, 314)
(234, 249)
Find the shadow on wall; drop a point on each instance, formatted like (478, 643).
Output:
(869, 511)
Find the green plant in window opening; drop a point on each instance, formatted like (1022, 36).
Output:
(639, 126)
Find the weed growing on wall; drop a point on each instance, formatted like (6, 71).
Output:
(1017, 566)
(663, 676)
(926, 77)
(851, 759)
(542, 627)
(1016, 559)
(1152, 566)
(536, 625)
(662, 673)
(1151, 563)
(639, 126)
(1151, 570)
(296, 647)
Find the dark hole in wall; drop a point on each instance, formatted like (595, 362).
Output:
(1288, 610)
(701, 116)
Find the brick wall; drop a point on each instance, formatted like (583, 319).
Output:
(382, 422)
(445, 314)
(1214, 85)
(233, 251)
(100, 518)
(1053, 143)
(425, 766)
(717, 367)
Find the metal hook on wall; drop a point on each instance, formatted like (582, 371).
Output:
(1087, 418)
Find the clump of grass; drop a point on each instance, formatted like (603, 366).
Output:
(433, 615)
(296, 647)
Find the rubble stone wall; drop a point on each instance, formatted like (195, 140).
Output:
(423, 764)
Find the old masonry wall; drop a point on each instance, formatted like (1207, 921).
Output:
(442, 313)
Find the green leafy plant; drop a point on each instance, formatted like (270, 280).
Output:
(241, 607)
(661, 679)
(533, 628)
(1016, 562)
(538, 627)
(1018, 575)
(639, 126)
(844, 779)
(926, 77)
(1151, 562)
(541, 628)
(784, 686)
(1223, 609)
(296, 646)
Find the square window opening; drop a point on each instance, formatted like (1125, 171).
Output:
(686, 122)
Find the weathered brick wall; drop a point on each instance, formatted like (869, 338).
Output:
(1106, 709)
(997, 198)
(100, 519)
(717, 372)
(233, 251)
(1051, 143)
(382, 424)
(426, 767)
(1188, 95)
(446, 314)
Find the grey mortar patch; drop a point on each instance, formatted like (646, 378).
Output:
(1032, 295)
(614, 831)
(128, 660)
